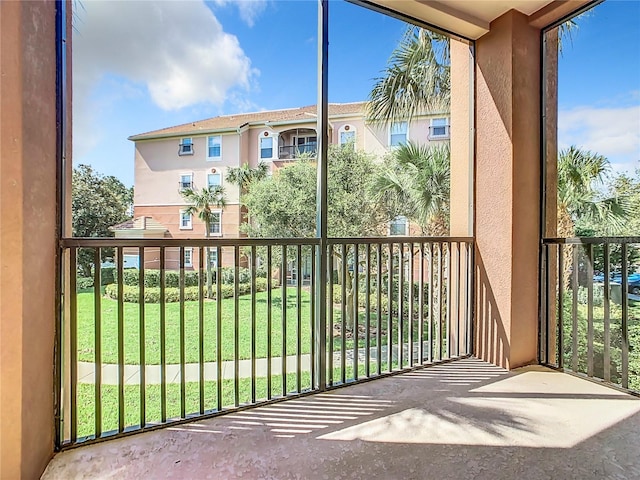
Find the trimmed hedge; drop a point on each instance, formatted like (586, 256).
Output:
(83, 283)
(131, 293)
(131, 277)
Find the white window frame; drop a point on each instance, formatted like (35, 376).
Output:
(185, 142)
(213, 252)
(211, 158)
(406, 133)
(219, 233)
(188, 251)
(189, 226)
(447, 127)
(209, 175)
(274, 145)
(181, 183)
(348, 128)
(395, 221)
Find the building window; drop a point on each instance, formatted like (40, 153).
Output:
(213, 258)
(186, 181)
(214, 147)
(398, 226)
(214, 180)
(439, 129)
(188, 257)
(305, 145)
(215, 225)
(266, 147)
(347, 135)
(185, 220)
(398, 133)
(186, 147)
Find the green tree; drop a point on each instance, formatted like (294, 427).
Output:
(200, 204)
(98, 202)
(415, 182)
(284, 205)
(244, 175)
(581, 179)
(416, 79)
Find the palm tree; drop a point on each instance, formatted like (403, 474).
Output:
(580, 174)
(416, 79)
(200, 203)
(244, 175)
(415, 182)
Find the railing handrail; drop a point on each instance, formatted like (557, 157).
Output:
(588, 240)
(92, 242)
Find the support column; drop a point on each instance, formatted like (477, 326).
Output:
(507, 191)
(28, 236)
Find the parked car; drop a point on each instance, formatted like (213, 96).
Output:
(633, 281)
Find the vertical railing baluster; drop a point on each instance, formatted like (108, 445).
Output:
(299, 281)
(421, 307)
(625, 317)
(590, 333)
(73, 343)
(546, 302)
(330, 320)
(183, 385)
(142, 338)
(356, 332)
(400, 304)
(219, 379)
(560, 342)
(411, 304)
(343, 316)
(379, 308)
(459, 304)
(121, 364)
(447, 297)
(574, 311)
(236, 325)
(284, 319)
(470, 298)
(269, 320)
(431, 304)
(440, 296)
(607, 314)
(367, 314)
(163, 337)
(201, 260)
(253, 323)
(312, 317)
(390, 309)
(97, 339)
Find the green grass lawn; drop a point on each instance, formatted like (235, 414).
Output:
(109, 398)
(131, 333)
(109, 328)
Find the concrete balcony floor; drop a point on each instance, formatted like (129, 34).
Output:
(464, 419)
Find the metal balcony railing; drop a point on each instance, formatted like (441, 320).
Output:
(294, 151)
(154, 346)
(590, 308)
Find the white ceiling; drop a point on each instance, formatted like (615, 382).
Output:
(468, 18)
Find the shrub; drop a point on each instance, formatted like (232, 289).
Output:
(131, 293)
(107, 275)
(83, 283)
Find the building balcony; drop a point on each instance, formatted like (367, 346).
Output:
(465, 418)
(291, 152)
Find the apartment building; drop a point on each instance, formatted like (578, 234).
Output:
(198, 154)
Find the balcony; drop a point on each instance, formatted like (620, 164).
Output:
(291, 152)
(462, 418)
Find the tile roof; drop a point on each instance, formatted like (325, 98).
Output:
(235, 121)
(139, 223)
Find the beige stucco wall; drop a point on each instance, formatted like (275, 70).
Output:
(27, 236)
(507, 191)
(158, 168)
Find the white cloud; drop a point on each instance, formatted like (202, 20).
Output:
(248, 9)
(612, 132)
(178, 50)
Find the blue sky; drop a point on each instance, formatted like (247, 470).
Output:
(139, 66)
